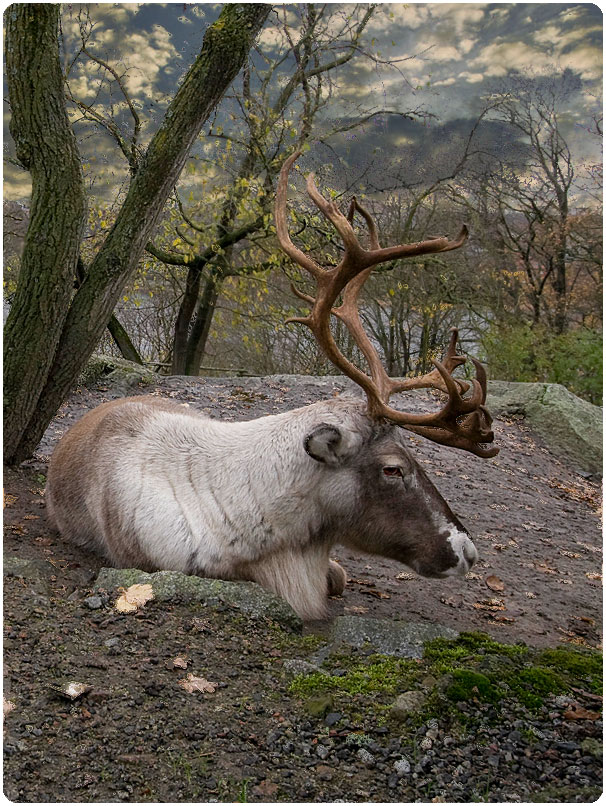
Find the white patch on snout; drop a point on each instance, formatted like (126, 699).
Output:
(464, 550)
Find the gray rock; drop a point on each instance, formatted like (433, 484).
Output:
(123, 375)
(407, 703)
(248, 597)
(402, 766)
(93, 602)
(400, 638)
(296, 666)
(365, 757)
(322, 752)
(36, 572)
(570, 427)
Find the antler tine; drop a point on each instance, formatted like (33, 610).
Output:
(286, 244)
(370, 223)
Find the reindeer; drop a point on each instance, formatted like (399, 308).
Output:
(151, 484)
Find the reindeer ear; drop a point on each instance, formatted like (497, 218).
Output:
(328, 444)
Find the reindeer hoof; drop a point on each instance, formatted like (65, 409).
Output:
(337, 579)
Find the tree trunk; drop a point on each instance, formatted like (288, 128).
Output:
(123, 341)
(225, 47)
(46, 146)
(183, 321)
(201, 327)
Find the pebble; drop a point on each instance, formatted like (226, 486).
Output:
(402, 766)
(365, 757)
(93, 602)
(322, 751)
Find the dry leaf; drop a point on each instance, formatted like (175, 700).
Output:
(192, 683)
(179, 663)
(71, 690)
(8, 500)
(376, 593)
(531, 595)
(577, 711)
(355, 609)
(593, 575)
(494, 583)
(7, 707)
(490, 604)
(133, 597)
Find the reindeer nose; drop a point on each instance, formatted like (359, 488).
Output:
(464, 551)
(470, 553)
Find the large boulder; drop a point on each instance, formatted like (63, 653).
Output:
(570, 427)
(123, 375)
(172, 586)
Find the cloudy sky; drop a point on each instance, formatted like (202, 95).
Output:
(448, 56)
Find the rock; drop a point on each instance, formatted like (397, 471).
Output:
(123, 375)
(248, 597)
(407, 703)
(426, 743)
(319, 706)
(402, 766)
(570, 427)
(296, 666)
(35, 572)
(93, 602)
(322, 752)
(365, 757)
(402, 639)
(332, 719)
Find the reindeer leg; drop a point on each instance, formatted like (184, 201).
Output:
(336, 578)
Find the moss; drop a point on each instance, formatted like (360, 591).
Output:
(448, 650)
(379, 675)
(468, 684)
(580, 664)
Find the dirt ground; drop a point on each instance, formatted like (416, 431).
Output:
(535, 523)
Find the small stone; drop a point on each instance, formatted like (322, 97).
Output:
(111, 642)
(365, 757)
(402, 766)
(332, 719)
(406, 704)
(425, 743)
(296, 666)
(93, 602)
(322, 752)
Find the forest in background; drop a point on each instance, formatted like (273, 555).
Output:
(212, 290)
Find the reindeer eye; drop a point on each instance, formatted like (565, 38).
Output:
(392, 471)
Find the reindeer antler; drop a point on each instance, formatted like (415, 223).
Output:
(463, 422)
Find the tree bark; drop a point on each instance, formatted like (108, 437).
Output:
(198, 337)
(46, 146)
(123, 340)
(225, 47)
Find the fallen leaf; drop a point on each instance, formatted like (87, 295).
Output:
(8, 500)
(573, 555)
(490, 604)
(376, 593)
(192, 683)
(593, 575)
(530, 595)
(71, 690)
(7, 707)
(494, 583)
(133, 597)
(577, 711)
(355, 609)
(179, 663)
